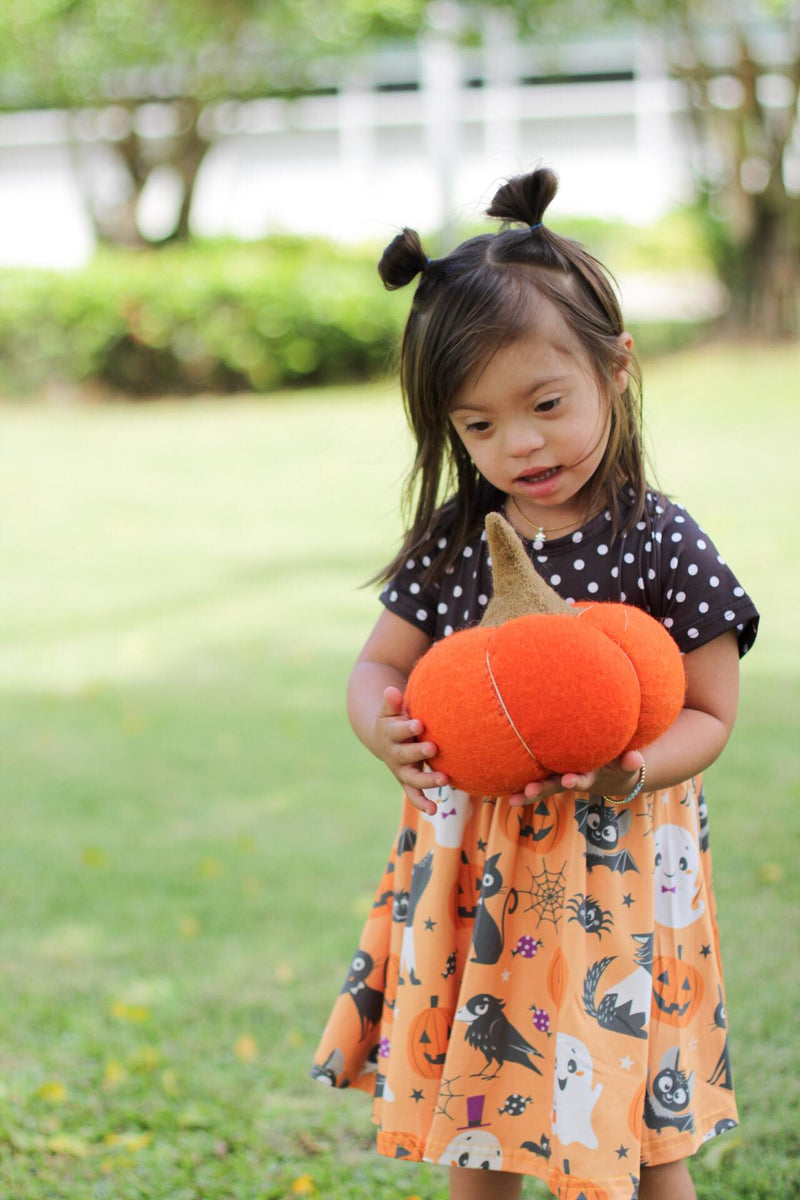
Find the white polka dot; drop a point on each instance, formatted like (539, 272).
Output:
(538, 544)
(442, 542)
(570, 600)
(468, 552)
(411, 564)
(668, 622)
(640, 525)
(449, 570)
(466, 614)
(541, 558)
(426, 562)
(659, 509)
(701, 545)
(680, 597)
(421, 614)
(448, 629)
(738, 591)
(593, 587)
(392, 596)
(441, 608)
(692, 569)
(679, 520)
(577, 536)
(651, 573)
(714, 581)
(579, 564)
(673, 562)
(457, 590)
(703, 606)
(720, 560)
(623, 597)
(413, 588)
(648, 546)
(730, 616)
(602, 549)
(692, 633)
(658, 536)
(483, 599)
(640, 583)
(614, 572)
(555, 580)
(669, 593)
(628, 557)
(677, 537)
(488, 560)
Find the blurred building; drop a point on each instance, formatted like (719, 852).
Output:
(421, 136)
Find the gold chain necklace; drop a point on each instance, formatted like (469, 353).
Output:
(541, 532)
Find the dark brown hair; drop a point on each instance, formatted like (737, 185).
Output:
(466, 306)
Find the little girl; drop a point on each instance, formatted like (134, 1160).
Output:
(538, 989)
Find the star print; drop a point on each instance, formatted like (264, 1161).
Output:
(506, 975)
(430, 923)
(706, 950)
(625, 1064)
(622, 1152)
(481, 844)
(693, 1044)
(627, 900)
(416, 1095)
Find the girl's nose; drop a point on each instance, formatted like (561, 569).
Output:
(522, 438)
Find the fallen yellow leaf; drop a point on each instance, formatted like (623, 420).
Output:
(129, 1012)
(145, 1058)
(211, 868)
(304, 1186)
(114, 1075)
(132, 1142)
(64, 1143)
(246, 1048)
(53, 1092)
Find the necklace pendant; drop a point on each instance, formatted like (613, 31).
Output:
(541, 534)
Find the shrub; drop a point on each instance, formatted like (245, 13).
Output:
(218, 316)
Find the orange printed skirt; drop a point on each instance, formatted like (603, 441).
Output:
(539, 990)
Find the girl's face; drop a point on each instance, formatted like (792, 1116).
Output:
(535, 422)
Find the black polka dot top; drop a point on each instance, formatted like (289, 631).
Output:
(667, 566)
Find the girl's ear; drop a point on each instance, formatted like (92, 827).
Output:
(625, 343)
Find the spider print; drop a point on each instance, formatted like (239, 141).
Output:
(588, 913)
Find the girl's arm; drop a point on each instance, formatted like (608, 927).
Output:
(375, 706)
(695, 739)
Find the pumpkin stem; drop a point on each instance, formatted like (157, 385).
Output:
(518, 589)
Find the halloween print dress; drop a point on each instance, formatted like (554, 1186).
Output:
(539, 989)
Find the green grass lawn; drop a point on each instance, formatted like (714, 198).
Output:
(192, 833)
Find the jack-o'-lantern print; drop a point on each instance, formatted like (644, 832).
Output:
(677, 990)
(540, 825)
(429, 1039)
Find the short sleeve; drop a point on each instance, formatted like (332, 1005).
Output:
(700, 598)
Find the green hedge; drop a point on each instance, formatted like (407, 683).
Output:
(218, 316)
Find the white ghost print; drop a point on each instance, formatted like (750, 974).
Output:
(452, 813)
(574, 1097)
(676, 877)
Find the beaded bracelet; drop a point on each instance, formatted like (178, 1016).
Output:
(616, 800)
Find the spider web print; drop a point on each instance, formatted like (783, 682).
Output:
(547, 894)
(446, 1100)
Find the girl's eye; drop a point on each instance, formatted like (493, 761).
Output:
(477, 426)
(549, 405)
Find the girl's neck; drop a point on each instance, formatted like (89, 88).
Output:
(546, 524)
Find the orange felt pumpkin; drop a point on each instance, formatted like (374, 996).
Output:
(428, 1039)
(541, 687)
(677, 990)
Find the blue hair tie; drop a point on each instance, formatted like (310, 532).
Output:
(533, 228)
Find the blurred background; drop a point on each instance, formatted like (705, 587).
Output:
(201, 452)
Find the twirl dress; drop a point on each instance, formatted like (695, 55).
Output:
(539, 989)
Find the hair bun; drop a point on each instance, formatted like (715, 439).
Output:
(402, 260)
(525, 197)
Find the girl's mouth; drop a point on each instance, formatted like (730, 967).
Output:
(538, 476)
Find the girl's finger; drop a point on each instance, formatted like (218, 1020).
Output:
(419, 800)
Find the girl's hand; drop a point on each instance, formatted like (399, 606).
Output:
(616, 778)
(395, 735)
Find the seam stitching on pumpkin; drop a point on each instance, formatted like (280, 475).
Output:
(499, 695)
